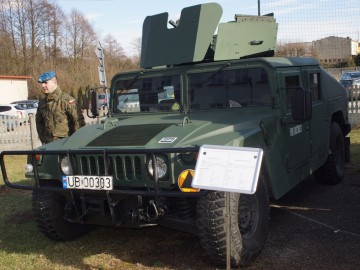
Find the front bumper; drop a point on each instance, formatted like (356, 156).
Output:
(104, 168)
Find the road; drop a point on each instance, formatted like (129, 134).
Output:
(315, 227)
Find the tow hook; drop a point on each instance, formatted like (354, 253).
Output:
(152, 211)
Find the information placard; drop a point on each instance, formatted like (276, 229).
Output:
(228, 168)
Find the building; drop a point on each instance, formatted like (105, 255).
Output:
(333, 50)
(13, 88)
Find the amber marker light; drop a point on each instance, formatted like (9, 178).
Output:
(185, 179)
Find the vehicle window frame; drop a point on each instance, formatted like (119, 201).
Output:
(234, 81)
(149, 87)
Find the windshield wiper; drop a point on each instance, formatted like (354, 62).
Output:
(215, 73)
(136, 78)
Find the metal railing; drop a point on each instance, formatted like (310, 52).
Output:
(354, 104)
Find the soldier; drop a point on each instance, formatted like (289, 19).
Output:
(58, 114)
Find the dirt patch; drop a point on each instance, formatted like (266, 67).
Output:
(4, 190)
(21, 217)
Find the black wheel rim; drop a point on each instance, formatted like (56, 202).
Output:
(248, 215)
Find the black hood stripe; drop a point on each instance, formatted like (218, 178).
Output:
(136, 135)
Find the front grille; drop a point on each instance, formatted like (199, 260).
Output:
(123, 168)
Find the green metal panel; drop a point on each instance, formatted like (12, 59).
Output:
(187, 42)
(249, 35)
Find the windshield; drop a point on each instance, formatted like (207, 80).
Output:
(229, 89)
(147, 95)
(218, 89)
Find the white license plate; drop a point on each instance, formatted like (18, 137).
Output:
(88, 182)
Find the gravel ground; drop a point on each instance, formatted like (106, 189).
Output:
(315, 227)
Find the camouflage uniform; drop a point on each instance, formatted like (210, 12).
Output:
(58, 116)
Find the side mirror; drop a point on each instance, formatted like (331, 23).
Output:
(92, 103)
(301, 105)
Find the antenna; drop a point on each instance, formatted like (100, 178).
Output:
(100, 55)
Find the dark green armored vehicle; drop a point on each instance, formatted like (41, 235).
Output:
(135, 168)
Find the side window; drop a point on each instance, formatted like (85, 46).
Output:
(243, 87)
(291, 84)
(314, 79)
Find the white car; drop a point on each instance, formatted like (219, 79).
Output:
(30, 106)
(11, 116)
(129, 102)
(12, 110)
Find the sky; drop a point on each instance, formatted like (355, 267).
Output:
(303, 20)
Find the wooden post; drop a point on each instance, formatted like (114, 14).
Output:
(35, 142)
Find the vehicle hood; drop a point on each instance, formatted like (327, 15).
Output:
(228, 127)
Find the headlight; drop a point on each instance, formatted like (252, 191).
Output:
(66, 166)
(29, 168)
(161, 167)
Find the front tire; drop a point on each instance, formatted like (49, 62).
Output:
(332, 171)
(48, 208)
(249, 225)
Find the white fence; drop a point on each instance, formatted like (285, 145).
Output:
(20, 133)
(354, 105)
(15, 133)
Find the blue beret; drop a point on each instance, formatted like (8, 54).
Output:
(46, 76)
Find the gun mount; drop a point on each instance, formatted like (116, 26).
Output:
(193, 37)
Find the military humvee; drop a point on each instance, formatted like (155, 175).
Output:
(135, 168)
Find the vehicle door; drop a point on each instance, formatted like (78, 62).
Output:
(297, 143)
(319, 124)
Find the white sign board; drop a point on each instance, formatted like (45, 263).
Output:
(226, 168)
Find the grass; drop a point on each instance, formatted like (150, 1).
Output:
(355, 145)
(353, 166)
(22, 246)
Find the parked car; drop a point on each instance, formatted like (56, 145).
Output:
(129, 102)
(13, 110)
(103, 99)
(351, 81)
(30, 106)
(11, 116)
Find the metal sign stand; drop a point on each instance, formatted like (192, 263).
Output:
(228, 228)
(236, 170)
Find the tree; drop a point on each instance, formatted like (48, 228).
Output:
(114, 55)
(349, 62)
(136, 45)
(36, 36)
(79, 47)
(297, 49)
(80, 98)
(80, 36)
(357, 60)
(52, 30)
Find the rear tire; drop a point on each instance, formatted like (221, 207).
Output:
(48, 208)
(332, 171)
(249, 225)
